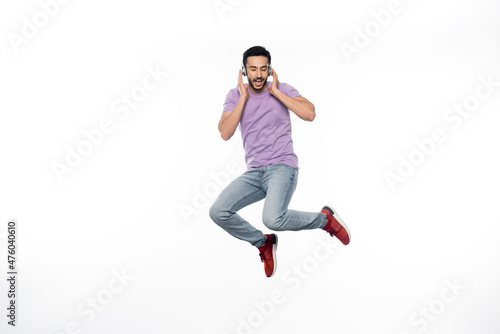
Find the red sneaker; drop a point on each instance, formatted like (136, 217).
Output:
(335, 226)
(268, 254)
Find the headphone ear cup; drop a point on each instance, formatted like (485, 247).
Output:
(270, 73)
(243, 70)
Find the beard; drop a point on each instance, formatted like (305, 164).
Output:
(262, 81)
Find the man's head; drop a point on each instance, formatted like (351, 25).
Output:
(257, 67)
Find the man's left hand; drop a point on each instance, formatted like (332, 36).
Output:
(273, 89)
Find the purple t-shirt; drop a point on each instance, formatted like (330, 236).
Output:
(265, 127)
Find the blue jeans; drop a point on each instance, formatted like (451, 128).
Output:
(276, 183)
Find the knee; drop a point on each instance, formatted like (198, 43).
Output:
(273, 222)
(218, 214)
(214, 212)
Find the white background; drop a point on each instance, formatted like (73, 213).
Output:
(139, 201)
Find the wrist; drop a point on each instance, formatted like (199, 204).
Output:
(275, 91)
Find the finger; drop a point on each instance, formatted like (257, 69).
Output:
(240, 79)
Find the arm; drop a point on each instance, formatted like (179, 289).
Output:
(299, 105)
(230, 118)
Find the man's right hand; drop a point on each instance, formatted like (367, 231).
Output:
(241, 87)
(230, 118)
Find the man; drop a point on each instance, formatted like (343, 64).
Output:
(262, 111)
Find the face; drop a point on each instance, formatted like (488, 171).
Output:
(257, 71)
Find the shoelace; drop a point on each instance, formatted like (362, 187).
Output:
(262, 256)
(332, 231)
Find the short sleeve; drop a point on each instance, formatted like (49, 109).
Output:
(231, 100)
(288, 90)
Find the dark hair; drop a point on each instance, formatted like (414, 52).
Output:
(256, 51)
